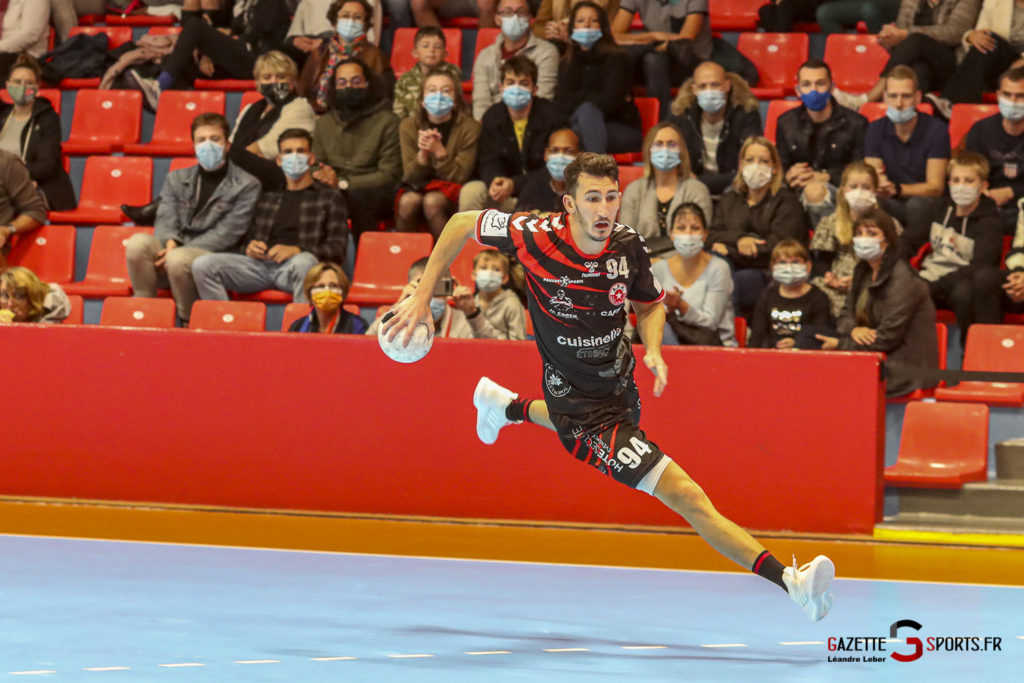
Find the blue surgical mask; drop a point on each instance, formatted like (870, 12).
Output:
(664, 158)
(516, 97)
(789, 273)
(438, 104)
(350, 29)
(1011, 111)
(901, 115)
(867, 248)
(556, 164)
(688, 245)
(816, 100)
(295, 165)
(210, 155)
(586, 36)
(711, 101)
(515, 27)
(437, 307)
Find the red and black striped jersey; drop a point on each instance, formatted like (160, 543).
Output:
(577, 302)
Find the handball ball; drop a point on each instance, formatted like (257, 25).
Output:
(419, 345)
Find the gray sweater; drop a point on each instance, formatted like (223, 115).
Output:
(504, 318)
(640, 204)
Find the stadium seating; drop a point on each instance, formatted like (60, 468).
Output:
(777, 108)
(966, 115)
(943, 445)
(104, 121)
(485, 37)
(856, 60)
(178, 163)
(734, 15)
(649, 109)
(172, 134)
(740, 325)
(777, 57)
(629, 174)
(116, 37)
(248, 98)
(992, 348)
(107, 272)
(135, 311)
(75, 316)
(49, 252)
(382, 265)
(235, 316)
(109, 182)
(225, 84)
(403, 43)
(462, 266)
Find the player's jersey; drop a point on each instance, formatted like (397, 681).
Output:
(577, 303)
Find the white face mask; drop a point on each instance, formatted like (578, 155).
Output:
(789, 273)
(757, 175)
(964, 195)
(867, 248)
(860, 199)
(488, 280)
(688, 245)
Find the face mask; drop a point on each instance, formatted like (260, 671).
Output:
(688, 245)
(867, 248)
(515, 27)
(586, 37)
(516, 97)
(488, 280)
(349, 29)
(438, 104)
(757, 175)
(789, 273)
(327, 300)
(437, 307)
(664, 159)
(1011, 111)
(275, 93)
(295, 165)
(22, 95)
(901, 115)
(964, 195)
(556, 164)
(350, 99)
(210, 155)
(816, 100)
(860, 199)
(711, 101)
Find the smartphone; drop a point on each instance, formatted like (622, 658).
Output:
(444, 287)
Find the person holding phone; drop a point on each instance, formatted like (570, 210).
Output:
(448, 321)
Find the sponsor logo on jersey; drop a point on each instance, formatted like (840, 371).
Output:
(590, 341)
(617, 294)
(596, 352)
(561, 306)
(1010, 170)
(564, 281)
(591, 267)
(494, 224)
(555, 382)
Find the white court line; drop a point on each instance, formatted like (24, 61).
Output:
(893, 640)
(568, 649)
(725, 645)
(107, 668)
(31, 673)
(409, 656)
(644, 647)
(257, 661)
(329, 659)
(1020, 637)
(490, 652)
(802, 642)
(181, 664)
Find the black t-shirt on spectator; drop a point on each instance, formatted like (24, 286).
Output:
(777, 317)
(286, 228)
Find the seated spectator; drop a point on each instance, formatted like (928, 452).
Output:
(675, 40)
(425, 12)
(966, 238)
(203, 209)
(30, 130)
(832, 242)
(888, 308)
(779, 16)
(438, 155)
(21, 207)
(351, 19)
(356, 144)
(513, 136)
(430, 48)
(697, 284)
(595, 85)
(758, 213)
(818, 140)
(1013, 276)
(24, 27)
(254, 28)
(1000, 139)
(544, 188)
(667, 184)
(448, 321)
(790, 308)
(515, 39)
(837, 16)
(24, 298)
(552, 22)
(909, 149)
(326, 286)
(716, 113)
(310, 28)
(291, 230)
(495, 312)
(259, 126)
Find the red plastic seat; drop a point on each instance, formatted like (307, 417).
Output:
(107, 273)
(225, 84)
(249, 98)
(51, 94)
(104, 121)
(164, 30)
(404, 42)
(649, 109)
(943, 445)
(236, 316)
(966, 115)
(75, 316)
(294, 311)
(873, 111)
(49, 252)
(138, 20)
(740, 328)
(116, 37)
(172, 134)
(777, 56)
(992, 348)
(267, 296)
(485, 37)
(462, 266)
(734, 15)
(856, 60)
(178, 163)
(382, 265)
(629, 174)
(137, 311)
(777, 108)
(107, 183)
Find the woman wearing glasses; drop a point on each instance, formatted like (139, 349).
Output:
(24, 298)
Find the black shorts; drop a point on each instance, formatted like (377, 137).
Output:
(610, 440)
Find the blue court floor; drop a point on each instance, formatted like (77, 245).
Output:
(82, 610)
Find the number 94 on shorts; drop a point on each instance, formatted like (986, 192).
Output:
(620, 450)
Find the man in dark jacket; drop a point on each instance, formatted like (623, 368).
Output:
(818, 140)
(715, 112)
(513, 135)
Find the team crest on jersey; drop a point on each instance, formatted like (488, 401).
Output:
(555, 382)
(617, 294)
(1010, 170)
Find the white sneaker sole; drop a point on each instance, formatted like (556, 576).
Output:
(819, 577)
(484, 410)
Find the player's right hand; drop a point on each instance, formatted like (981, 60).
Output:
(407, 313)
(657, 365)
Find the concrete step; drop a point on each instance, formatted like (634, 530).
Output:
(997, 498)
(1010, 459)
(953, 523)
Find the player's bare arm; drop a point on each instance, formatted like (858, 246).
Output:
(650, 322)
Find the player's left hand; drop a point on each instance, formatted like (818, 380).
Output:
(407, 314)
(656, 363)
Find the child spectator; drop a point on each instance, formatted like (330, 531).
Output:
(326, 286)
(791, 304)
(24, 298)
(495, 312)
(430, 48)
(448, 321)
(544, 188)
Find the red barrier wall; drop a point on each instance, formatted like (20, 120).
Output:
(778, 440)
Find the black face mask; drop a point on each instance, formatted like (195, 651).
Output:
(350, 99)
(275, 93)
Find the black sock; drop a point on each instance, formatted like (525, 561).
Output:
(766, 566)
(518, 410)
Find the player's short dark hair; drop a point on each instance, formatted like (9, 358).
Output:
(293, 133)
(881, 220)
(520, 65)
(210, 118)
(1016, 74)
(597, 165)
(815, 64)
(428, 32)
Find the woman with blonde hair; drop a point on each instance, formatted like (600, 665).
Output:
(24, 298)
(326, 287)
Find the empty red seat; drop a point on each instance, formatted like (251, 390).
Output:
(137, 311)
(172, 135)
(777, 108)
(856, 60)
(740, 330)
(75, 316)
(234, 316)
(49, 252)
(116, 37)
(109, 182)
(873, 111)
(629, 174)
(991, 348)
(966, 115)
(225, 84)
(777, 57)
(382, 265)
(943, 445)
(104, 121)
(403, 44)
(107, 273)
(734, 15)
(267, 296)
(649, 108)
(178, 163)
(51, 94)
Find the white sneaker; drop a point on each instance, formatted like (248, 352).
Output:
(849, 100)
(809, 585)
(491, 399)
